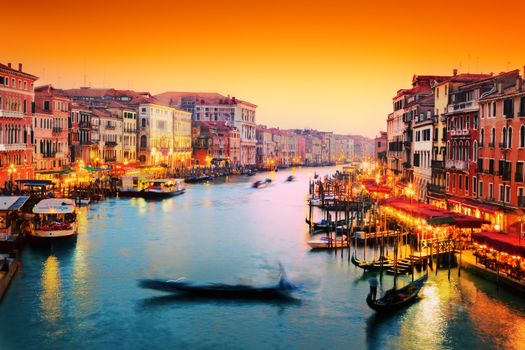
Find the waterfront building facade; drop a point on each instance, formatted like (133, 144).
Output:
(16, 138)
(380, 147)
(51, 129)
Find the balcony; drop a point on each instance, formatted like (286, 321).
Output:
(49, 155)
(110, 127)
(463, 107)
(110, 144)
(84, 125)
(57, 130)
(503, 145)
(132, 131)
(110, 159)
(437, 164)
(491, 144)
(457, 164)
(11, 114)
(13, 147)
(435, 188)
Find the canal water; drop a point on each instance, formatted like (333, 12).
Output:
(84, 295)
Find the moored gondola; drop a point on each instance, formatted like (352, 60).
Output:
(382, 264)
(395, 299)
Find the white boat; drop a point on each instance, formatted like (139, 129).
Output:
(317, 202)
(55, 218)
(322, 241)
(163, 188)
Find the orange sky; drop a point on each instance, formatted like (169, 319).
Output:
(331, 65)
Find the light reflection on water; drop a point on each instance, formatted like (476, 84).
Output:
(84, 295)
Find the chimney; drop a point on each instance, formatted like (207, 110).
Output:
(500, 87)
(9, 65)
(455, 72)
(20, 67)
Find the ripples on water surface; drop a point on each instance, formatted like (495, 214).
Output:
(85, 296)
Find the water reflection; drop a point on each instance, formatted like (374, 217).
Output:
(51, 295)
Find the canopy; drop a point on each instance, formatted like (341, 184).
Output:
(88, 168)
(35, 183)
(54, 206)
(507, 242)
(8, 203)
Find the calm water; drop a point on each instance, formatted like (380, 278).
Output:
(85, 295)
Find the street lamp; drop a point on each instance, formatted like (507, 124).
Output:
(11, 171)
(410, 192)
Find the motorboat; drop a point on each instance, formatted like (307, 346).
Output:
(262, 183)
(163, 188)
(197, 179)
(145, 186)
(54, 218)
(323, 241)
(290, 178)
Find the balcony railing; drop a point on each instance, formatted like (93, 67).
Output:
(84, 125)
(435, 188)
(110, 159)
(130, 130)
(437, 164)
(11, 114)
(13, 147)
(491, 144)
(57, 130)
(49, 155)
(458, 164)
(462, 106)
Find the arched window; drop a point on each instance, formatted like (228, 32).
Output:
(482, 137)
(493, 137)
(453, 153)
(467, 151)
(447, 151)
(509, 138)
(504, 137)
(475, 151)
(460, 151)
(143, 122)
(522, 136)
(143, 141)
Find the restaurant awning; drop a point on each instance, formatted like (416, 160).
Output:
(507, 242)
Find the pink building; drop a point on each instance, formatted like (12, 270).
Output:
(16, 98)
(50, 127)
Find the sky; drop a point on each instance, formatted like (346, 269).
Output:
(329, 65)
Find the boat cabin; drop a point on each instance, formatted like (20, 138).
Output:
(55, 217)
(135, 183)
(11, 215)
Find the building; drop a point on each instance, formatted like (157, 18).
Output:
(442, 90)
(266, 154)
(51, 129)
(216, 107)
(16, 100)
(110, 130)
(79, 139)
(213, 142)
(380, 147)
(125, 117)
(182, 149)
(501, 157)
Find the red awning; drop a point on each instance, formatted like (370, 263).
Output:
(506, 242)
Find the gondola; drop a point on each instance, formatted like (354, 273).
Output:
(197, 179)
(222, 291)
(290, 178)
(395, 299)
(261, 183)
(375, 265)
(325, 224)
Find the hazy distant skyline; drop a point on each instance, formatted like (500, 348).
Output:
(328, 65)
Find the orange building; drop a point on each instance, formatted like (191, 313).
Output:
(502, 147)
(16, 101)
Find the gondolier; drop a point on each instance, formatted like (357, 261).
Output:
(373, 286)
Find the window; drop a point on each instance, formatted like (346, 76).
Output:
(474, 185)
(491, 166)
(475, 151)
(509, 137)
(143, 122)
(522, 135)
(481, 137)
(521, 202)
(507, 193)
(508, 108)
(518, 177)
(46, 106)
(501, 193)
(504, 137)
(492, 137)
(466, 184)
(494, 109)
(460, 182)
(480, 189)
(491, 190)
(475, 121)
(522, 106)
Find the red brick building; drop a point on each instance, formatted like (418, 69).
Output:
(16, 138)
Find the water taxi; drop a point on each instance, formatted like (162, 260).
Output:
(55, 218)
(144, 186)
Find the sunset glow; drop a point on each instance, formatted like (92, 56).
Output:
(327, 65)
